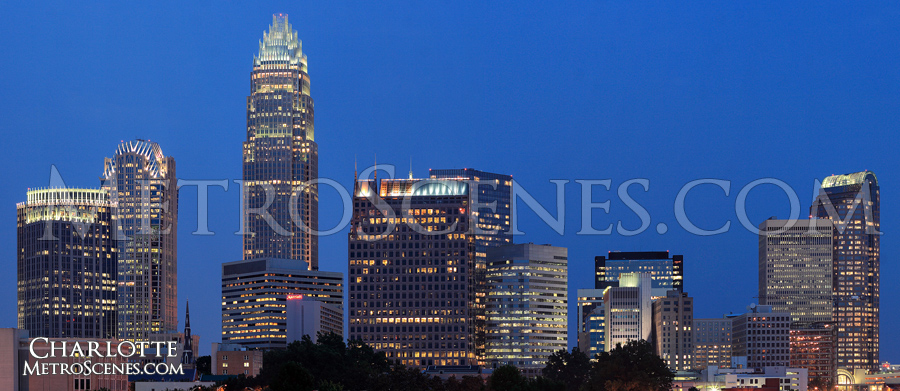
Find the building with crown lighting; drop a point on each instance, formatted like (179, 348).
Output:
(280, 207)
(666, 272)
(141, 182)
(411, 271)
(66, 264)
(853, 203)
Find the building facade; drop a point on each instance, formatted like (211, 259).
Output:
(527, 306)
(795, 268)
(255, 294)
(592, 322)
(812, 347)
(763, 336)
(712, 343)
(142, 185)
(66, 264)
(628, 310)
(412, 271)
(280, 204)
(666, 273)
(311, 317)
(673, 319)
(234, 359)
(490, 196)
(853, 203)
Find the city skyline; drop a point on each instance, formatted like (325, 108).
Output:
(207, 252)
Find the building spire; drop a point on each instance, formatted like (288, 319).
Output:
(410, 168)
(187, 355)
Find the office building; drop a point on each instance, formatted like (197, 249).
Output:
(66, 264)
(795, 268)
(255, 293)
(592, 322)
(490, 195)
(527, 316)
(673, 318)
(311, 317)
(280, 153)
(411, 271)
(812, 347)
(628, 310)
(143, 187)
(712, 343)
(763, 336)
(853, 203)
(666, 273)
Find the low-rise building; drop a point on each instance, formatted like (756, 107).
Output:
(235, 359)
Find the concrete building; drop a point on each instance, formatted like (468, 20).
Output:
(628, 310)
(280, 153)
(812, 347)
(763, 336)
(592, 322)
(255, 294)
(673, 319)
(311, 317)
(666, 272)
(234, 359)
(142, 184)
(795, 268)
(412, 271)
(527, 306)
(66, 264)
(712, 343)
(853, 203)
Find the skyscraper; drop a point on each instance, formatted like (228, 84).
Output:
(491, 219)
(280, 155)
(526, 305)
(795, 268)
(411, 271)
(667, 273)
(673, 319)
(629, 315)
(852, 202)
(142, 184)
(66, 264)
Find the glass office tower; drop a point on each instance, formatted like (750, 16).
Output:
(280, 153)
(141, 183)
(491, 228)
(66, 264)
(527, 305)
(853, 203)
(666, 273)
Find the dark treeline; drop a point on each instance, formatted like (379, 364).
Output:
(331, 364)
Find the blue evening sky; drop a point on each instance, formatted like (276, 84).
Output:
(670, 92)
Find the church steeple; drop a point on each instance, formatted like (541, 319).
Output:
(187, 355)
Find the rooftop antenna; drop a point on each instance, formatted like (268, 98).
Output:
(410, 168)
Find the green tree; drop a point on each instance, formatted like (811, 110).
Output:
(204, 364)
(507, 378)
(293, 377)
(632, 367)
(570, 369)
